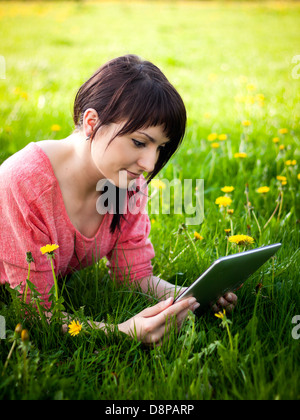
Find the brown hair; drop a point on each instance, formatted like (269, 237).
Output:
(130, 89)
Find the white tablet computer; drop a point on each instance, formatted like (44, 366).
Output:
(227, 274)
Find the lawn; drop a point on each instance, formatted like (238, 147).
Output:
(235, 65)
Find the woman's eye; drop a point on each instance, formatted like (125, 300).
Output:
(138, 143)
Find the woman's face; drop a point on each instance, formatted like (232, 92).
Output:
(127, 156)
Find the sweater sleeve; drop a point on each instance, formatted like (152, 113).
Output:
(16, 275)
(131, 257)
(22, 231)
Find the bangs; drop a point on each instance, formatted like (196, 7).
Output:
(150, 105)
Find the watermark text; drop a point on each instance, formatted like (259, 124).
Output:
(296, 329)
(2, 328)
(296, 69)
(176, 197)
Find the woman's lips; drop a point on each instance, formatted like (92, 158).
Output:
(132, 174)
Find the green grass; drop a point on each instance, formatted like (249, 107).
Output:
(204, 49)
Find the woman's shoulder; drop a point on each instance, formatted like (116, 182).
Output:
(49, 147)
(24, 158)
(29, 170)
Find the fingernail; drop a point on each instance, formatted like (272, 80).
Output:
(196, 306)
(192, 300)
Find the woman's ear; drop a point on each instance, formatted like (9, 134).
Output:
(90, 119)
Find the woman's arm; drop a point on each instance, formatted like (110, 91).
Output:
(150, 326)
(159, 287)
(163, 290)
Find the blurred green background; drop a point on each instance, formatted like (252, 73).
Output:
(232, 62)
(204, 48)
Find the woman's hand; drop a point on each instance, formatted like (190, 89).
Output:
(227, 302)
(153, 324)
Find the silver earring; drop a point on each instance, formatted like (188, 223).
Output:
(88, 137)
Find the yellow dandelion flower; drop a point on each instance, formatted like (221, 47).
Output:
(241, 239)
(251, 87)
(207, 115)
(74, 328)
(276, 140)
(263, 190)
(283, 131)
(260, 97)
(281, 178)
(223, 201)
(227, 189)
(49, 249)
(246, 123)
(230, 212)
(157, 183)
(291, 162)
(198, 236)
(298, 176)
(212, 137)
(17, 90)
(221, 315)
(222, 137)
(18, 328)
(240, 155)
(24, 95)
(215, 145)
(282, 147)
(24, 336)
(55, 127)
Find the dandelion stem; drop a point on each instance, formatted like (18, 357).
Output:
(9, 356)
(229, 335)
(258, 225)
(280, 208)
(55, 280)
(26, 288)
(212, 166)
(273, 214)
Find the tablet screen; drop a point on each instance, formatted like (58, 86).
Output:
(227, 274)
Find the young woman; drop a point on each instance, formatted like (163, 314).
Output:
(129, 120)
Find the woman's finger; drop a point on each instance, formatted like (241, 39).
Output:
(231, 297)
(156, 309)
(223, 302)
(159, 324)
(175, 310)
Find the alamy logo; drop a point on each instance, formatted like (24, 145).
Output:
(163, 197)
(296, 69)
(2, 328)
(296, 330)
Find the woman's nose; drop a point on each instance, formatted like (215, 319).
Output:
(147, 161)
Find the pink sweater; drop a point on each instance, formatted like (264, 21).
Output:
(33, 214)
